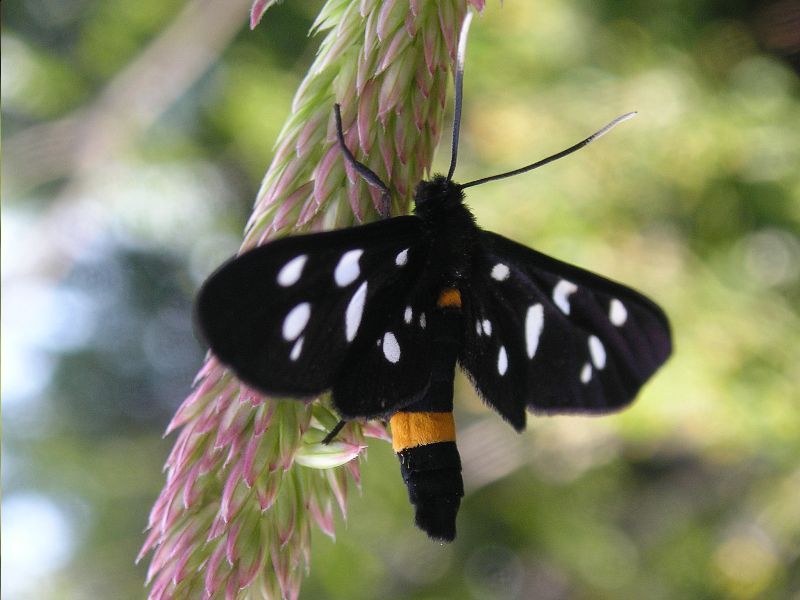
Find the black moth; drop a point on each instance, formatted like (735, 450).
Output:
(381, 313)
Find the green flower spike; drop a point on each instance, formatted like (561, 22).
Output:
(248, 474)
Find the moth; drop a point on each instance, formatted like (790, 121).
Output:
(381, 314)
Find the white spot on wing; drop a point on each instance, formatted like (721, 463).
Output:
(586, 373)
(347, 271)
(561, 294)
(295, 321)
(597, 351)
(617, 313)
(500, 272)
(408, 315)
(534, 323)
(502, 361)
(352, 315)
(487, 327)
(479, 327)
(402, 258)
(296, 349)
(422, 320)
(391, 349)
(291, 271)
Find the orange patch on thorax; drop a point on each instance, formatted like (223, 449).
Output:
(448, 298)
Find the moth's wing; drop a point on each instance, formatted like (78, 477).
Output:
(391, 365)
(287, 316)
(560, 339)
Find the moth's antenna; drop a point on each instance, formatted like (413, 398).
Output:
(368, 174)
(462, 50)
(549, 159)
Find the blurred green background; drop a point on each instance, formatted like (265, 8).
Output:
(134, 139)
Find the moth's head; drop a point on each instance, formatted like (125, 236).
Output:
(436, 194)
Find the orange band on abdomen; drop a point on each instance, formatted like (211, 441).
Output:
(449, 297)
(410, 429)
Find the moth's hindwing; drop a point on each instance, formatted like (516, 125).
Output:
(391, 367)
(287, 316)
(546, 335)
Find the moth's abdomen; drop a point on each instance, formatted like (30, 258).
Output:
(423, 434)
(412, 429)
(432, 474)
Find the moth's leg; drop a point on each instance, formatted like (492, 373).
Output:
(423, 434)
(334, 432)
(366, 173)
(385, 206)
